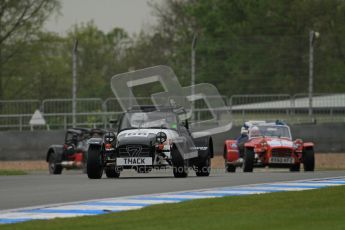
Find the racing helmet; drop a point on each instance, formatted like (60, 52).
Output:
(74, 138)
(137, 119)
(254, 131)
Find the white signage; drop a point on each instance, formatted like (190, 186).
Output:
(37, 119)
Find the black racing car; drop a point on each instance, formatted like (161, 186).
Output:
(72, 154)
(150, 137)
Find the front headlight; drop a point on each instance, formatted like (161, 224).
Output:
(264, 144)
(109, 137)
(296, 145)
(233, 146)
(161, 137)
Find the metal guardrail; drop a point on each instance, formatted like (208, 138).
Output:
(18, 106)
(58, 120)
(95, 112)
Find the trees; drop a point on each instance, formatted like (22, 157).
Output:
(20, 22)
(247, 47)
(243, 47)
(40, 70)
(100, 56)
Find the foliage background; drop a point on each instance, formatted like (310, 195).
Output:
(244, 47)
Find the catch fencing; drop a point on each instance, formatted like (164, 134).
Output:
(95, 112)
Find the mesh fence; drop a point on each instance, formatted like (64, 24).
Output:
(16, 114)
(95, 112)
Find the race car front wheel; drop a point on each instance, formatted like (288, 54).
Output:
(180, 170)
(295, 168)
(203, 168)
(94, 162)
(308, 159)
(230, 168)
(54, 168)
(248, 160)
(180, 165)
(112, 172)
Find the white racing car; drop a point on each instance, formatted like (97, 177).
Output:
(150, 137)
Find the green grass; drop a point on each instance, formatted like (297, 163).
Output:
(12, 172)
(313, 209)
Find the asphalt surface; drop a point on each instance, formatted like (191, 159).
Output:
(41, 188)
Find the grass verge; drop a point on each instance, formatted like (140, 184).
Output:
(312, 209)
(4, 172)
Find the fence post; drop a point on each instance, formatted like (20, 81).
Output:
(292, 105)
(230, 105)
(65, 121)
(243, 114)
(21, 123)
(104, 110)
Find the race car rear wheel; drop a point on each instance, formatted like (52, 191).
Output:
(308, 159)
(230, 168)
(248, 160)
(112, 172)
(54, 168)
(94, 162)
(203, 168)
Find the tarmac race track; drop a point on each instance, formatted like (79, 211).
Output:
(42, 189)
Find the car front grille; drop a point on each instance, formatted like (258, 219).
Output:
(281, 152)
(134, 151)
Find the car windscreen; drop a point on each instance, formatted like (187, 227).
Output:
(148, 120)
(71, 138)
(270, 131)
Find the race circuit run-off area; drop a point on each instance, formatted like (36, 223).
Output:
(118, 204)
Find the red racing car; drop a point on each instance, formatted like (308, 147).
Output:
(267, 144)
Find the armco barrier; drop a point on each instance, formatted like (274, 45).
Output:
(26, 145)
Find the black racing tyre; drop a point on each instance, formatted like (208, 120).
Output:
(180, 170)
(94, 162)
(295, 168)
(180, 166)
(203, 168)
(308, 159)
(112, 172)
(53, 167)
(248, 160)
(225, 152)
(230, 168)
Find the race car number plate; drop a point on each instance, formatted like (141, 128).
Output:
(282, 160)
(134, 161)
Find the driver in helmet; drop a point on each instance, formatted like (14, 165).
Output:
(241, 140)
(137, 120)
(255, 132)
